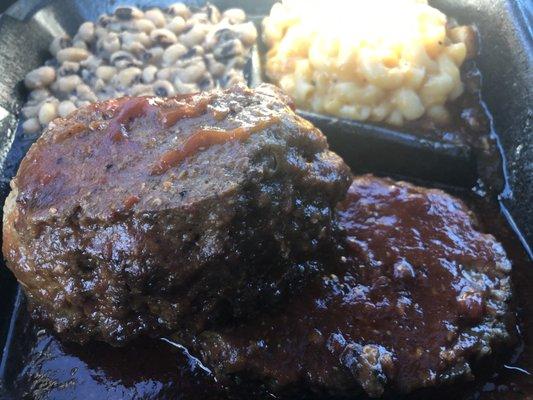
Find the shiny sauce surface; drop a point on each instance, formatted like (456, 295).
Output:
(198, 140)
(42, 366)
(412, 299)
(126, 112)
(136, 107)
(207, 137)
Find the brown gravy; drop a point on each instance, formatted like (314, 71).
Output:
(411, 307)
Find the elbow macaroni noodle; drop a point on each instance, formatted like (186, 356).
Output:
(375, 60)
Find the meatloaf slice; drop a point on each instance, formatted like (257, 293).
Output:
(132, 216)
(420, 294)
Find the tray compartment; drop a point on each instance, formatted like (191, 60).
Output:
(384, 151)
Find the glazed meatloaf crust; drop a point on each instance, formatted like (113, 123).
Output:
(134, 215)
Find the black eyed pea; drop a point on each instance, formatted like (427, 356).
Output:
(99, 84)
(82, 103)
(127, 26)
(87, 75)
(60, 42)
(105, 72)
(117, 26)
(234, 15)
(209, 41)
(195, 35)
(68, 68)
(86, 32)
(228, 50)
(109, 43)
(54, 87)
(198, 18)
(47, 112)
(236, 63)
(72, 54)
(185, 88)
(234, 77)
(100, 32)
(163, 88)
(163, 37)
(246, 32)
(104, 20)
(215, 68)
(80, 44)
(213, 14)
(176, 25)
(173, 53)
(31, 125)
(129, 76)
(148, 75)
(144, 38)
(67, 84)
(123, 64)
(156, 16)
(216, 35)
(40, 77)
(65, 108)
(120, 56)
(92, 62)
(156, 53)
(179, 9)
(141, 90)
(165, 73)
(182, 63)
(192, 73)
(144, 56)
(128, 13)
(127, 38)
(225, 35)
(84, 92)
(30, 111)
(104, 95)
(185, 62)
(143, 25)
(39, 95)
(31, 102)
(134, 47)
(194, 51)
(206, 82)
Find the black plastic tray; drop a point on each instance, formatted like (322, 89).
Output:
(506, 57)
